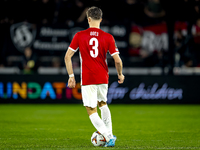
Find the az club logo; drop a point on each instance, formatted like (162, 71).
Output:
(22, 35)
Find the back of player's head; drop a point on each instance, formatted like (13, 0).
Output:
(94, 12)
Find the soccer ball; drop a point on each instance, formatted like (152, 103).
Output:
(98, 139)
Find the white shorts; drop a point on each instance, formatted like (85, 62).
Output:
(93, 93)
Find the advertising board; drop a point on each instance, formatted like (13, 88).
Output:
(136, 89)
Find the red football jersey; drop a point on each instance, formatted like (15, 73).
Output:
(93, 44)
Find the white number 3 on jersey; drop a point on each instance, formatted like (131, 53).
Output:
(94, 53)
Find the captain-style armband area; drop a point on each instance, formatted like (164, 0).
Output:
(71, 75)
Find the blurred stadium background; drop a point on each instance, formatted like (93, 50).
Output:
(159, 42)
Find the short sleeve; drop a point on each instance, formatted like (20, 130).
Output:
(112, 46)
(74, 43)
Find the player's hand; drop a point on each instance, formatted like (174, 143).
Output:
(71, 82)
(121, 78)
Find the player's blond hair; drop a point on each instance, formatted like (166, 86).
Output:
(94, 12)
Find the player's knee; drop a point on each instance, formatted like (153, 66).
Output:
(102, 103)
(91, 110)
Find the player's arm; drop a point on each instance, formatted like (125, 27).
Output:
(68, 63)
(119, 67)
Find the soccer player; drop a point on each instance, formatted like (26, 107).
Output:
(93, 45)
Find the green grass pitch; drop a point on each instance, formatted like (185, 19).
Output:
(67, 127)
